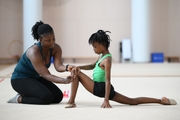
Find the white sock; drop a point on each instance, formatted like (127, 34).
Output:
(14, 99)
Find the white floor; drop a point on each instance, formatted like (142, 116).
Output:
(145, 83)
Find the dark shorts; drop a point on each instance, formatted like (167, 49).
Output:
(99, 90)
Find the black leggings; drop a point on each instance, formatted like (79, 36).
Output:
(39, 91)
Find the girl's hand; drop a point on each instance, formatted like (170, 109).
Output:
(75, 71)
(106, 104)
(70, 67)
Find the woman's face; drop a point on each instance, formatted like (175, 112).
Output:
(48, 41)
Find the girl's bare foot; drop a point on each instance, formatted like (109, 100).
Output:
(70, 105)
(167, 101)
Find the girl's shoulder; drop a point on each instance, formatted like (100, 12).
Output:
(107, 57)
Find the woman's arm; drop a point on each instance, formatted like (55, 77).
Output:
(36, 59)
(58, 64)
(57, 55)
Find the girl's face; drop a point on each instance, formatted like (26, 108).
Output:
(98, 48)
(48, 41)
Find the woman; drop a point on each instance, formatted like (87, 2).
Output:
(31, 78)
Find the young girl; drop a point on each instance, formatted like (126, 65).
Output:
(100, 85)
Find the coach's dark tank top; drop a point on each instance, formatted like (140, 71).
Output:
(25, 69)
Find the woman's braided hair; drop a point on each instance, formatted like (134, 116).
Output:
(40, 29)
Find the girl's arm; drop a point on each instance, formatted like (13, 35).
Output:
(77, 69)
(107, 68)
(88, 67)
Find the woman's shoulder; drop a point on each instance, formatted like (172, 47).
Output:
(56, 48)
(33, 50)
(56, 45)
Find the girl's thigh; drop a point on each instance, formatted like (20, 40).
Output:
(86, 81)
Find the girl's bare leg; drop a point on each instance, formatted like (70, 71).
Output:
(85, 81)
(140, 100)
(74, 88)
(88, 83)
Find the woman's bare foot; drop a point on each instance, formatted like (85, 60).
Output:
(167, 101)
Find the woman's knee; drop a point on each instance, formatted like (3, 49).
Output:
(47, 98)
(58, 97)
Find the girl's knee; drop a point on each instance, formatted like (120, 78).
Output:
(133, 102)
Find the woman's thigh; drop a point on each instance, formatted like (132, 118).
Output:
(29, 87)
(56, 92)
(32, 91)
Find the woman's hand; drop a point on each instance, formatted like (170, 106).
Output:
(106, 104)
(68, 80)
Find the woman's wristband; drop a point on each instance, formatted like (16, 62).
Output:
(67, 67)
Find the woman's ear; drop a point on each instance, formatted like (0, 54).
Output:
(40, 39)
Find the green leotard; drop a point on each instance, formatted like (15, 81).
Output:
(99, 73)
